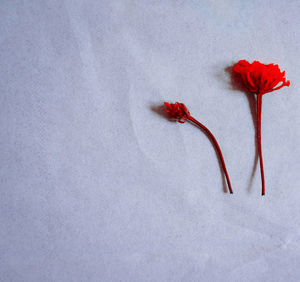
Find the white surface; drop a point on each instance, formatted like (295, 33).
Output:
(96, 186)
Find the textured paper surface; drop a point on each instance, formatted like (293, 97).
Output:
(97, 185)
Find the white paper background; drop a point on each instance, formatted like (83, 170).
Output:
(97, 185)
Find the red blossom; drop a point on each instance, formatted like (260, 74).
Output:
(178, 111)
(260, 78)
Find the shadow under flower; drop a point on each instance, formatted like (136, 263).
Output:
(161, 110)
(237, 84)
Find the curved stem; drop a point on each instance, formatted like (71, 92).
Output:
(259, 109)
(217, 147)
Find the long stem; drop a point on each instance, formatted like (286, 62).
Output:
(259, 109)
(217, 147)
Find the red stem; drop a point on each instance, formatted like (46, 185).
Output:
(217, 147)
(259, 109)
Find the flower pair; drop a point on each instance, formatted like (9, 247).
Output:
(259, 79)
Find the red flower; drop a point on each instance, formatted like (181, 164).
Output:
(178, 111)
(260, 78)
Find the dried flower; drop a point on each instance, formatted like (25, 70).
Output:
(260, 79)
(180, 112)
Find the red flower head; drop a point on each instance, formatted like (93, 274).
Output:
(178, 111)
(260, 78)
